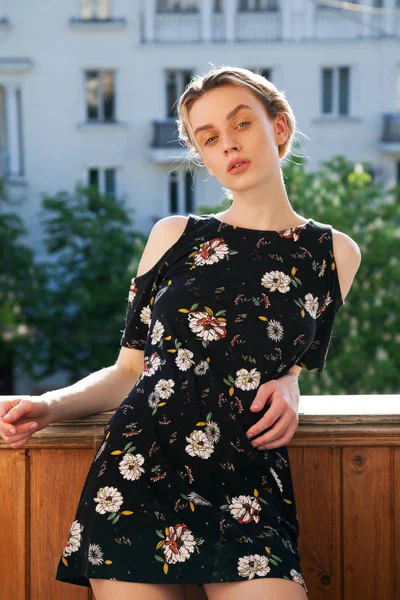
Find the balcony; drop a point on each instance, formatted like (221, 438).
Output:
(165, 145)
(390, 141)
(111, 24)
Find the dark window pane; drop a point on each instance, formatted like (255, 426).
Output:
(189, 188)
(173, 193)
(344, 91)
(92, 94)
(109, 175)
(108, 95)
(94, 178)
(172, 93)
(327, 91)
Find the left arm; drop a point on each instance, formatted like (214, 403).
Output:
(283, 393)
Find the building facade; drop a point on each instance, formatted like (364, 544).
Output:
(88, 90)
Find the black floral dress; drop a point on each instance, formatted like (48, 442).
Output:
(176, 492)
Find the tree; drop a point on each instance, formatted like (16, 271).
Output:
(78, 306)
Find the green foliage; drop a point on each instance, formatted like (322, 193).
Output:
(16, 276)
(81, 291)
(364, 354)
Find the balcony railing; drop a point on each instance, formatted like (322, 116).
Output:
(391, 128)
(165, 134)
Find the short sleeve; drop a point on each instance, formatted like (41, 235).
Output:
(142, 292)
(314, 358)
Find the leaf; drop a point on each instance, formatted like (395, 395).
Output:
(158, 558)
(262, 318)
(200, 424)
(116, 452)
(108, 562)
(287, 501)
(153, 412)
(293, 271)
(171, 350)
(161, 404)
(208, 417)
(231, 391)
(167, 531)
(268, 550)
(191, 506)
(111, 516)
(208, 310)
(159, 533)
(116, 519)
(160, 544)
(108, 435)
(255, 493)
(127, 512)
(165, 568)
(64, 560)
(183, 310)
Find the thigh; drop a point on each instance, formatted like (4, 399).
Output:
(266, 588)
(109, 589)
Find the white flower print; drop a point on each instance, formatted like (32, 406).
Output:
(298, 577)
(131, 466)
(275, 330)
(276, 280)
(74, 538)
(311, 305)
(184, 359)
(132, 290)
(278, 481)
(201, 368)
(206, 326)
(197, 499)
(157, 332)
(164, 388)
(100, 450)
(245, 509)
(211, 252)
(95, 554)
(199, 445)
(145, 315)
(151, 364)
(108, 499)
(254, 564)
(212, 431)
(247, 380)
(153, 399)
(179, 544)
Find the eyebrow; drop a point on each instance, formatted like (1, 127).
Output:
(229, 116)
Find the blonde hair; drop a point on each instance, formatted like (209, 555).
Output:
(273, 100)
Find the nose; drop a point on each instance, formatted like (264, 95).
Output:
(229, 143)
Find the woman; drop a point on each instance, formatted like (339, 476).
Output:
(191, 483)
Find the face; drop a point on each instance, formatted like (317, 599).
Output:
(249, 133)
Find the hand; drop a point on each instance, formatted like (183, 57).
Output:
(17, 416)
(283, 395)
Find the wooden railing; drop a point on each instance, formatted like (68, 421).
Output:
(345, 463)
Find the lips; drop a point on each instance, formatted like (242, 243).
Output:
(235, 161)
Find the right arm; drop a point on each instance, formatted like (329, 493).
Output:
(105, 389)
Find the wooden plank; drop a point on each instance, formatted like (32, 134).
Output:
(367, 523)
(57, 478)
(13, 524)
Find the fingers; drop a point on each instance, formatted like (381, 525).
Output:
(14, 433)
(267, 420)
(277, 437)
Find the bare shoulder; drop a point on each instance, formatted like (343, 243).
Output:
(347, 258)
(164, 234)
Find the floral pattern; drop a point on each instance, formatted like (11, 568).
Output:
(176, 492)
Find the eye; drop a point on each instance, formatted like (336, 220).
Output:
(242, 123)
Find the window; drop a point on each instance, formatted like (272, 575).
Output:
(100, 96)
(336, 91)
(177, 6)
(95, 9)
(176, 81)
(258, 5)
(104, 180)
(218, 8)
(180, 192)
